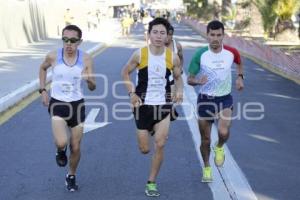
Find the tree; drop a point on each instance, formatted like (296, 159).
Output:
(268, 15)
(226, 9)
(194, 6)
(276, 15)
(229, 19)
(200, 9)
(284, 10)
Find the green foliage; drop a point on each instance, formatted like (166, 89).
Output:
(206, 13)
(268, 15)
(231, 14)
(245, 4)
(200, 9)
(284, 9)
(276, 11)
(243, 24)
(196, 8)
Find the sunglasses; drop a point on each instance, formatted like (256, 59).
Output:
(72, 40)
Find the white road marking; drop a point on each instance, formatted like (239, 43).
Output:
(263, 138)
(229, 182)
(90, 123)
(280, 96)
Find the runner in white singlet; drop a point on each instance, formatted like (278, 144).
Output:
(66, 107)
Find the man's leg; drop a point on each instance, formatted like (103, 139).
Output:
(223, 133)
(224, 126)
(77, 133)
(161, 134)
(59, 128)
(143, 141)
(123, 30)
(75, 140)
(205, 132)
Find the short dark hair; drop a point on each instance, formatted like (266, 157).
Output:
(73, 28)
(215, 25)
(171, 29)
(157, 21)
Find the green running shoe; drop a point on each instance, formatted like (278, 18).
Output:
(151, 190)
(219, 156)
(207, 175)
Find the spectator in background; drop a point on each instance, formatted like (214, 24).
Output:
(126, 23)
(92, 21)
(146, 20)
(68, 18)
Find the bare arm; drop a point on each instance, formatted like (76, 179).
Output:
(128, 68)
(178, 80)
(88, 72)
(180, 53)
(240, 78)
(126, 71)
(193, 81)
(239, 68)
(49, 60)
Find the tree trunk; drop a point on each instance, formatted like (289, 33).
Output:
(282, 25)
(285, 31)
(226, 6)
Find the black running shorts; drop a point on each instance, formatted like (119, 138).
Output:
(146, 116)
(72, 112)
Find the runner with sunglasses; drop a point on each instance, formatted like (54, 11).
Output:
(66, 106)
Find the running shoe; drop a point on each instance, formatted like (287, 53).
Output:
(71, 183)
(219, 156)
(207, 175)
(151, 190)
(61, 157)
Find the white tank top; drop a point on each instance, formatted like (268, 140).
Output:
(153, 72)
(67, 80)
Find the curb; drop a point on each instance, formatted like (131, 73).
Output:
(21, 93)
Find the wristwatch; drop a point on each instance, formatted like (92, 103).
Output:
(130, 93)
(241, 75)
(41, 90)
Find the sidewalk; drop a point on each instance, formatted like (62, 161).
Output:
(19, 67)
